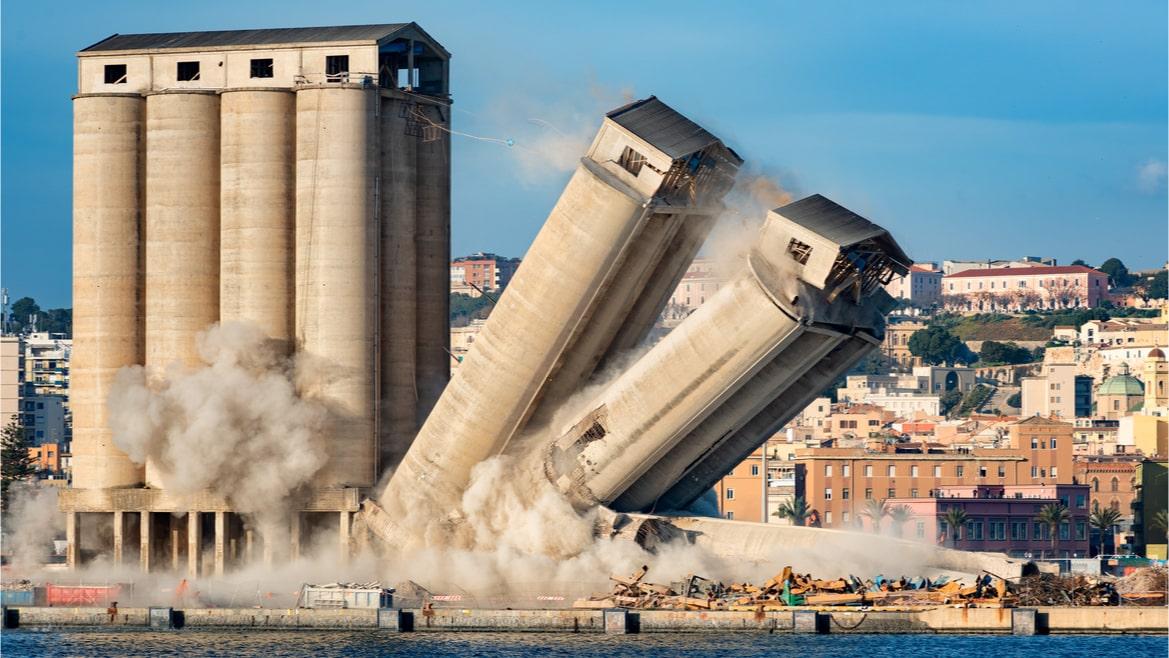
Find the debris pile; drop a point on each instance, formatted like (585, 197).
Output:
(1148, 586)
(788, 588)
(1073, 590)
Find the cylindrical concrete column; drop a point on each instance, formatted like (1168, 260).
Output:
(678, 256)
(108, 162)
(433, 242)
(399, 312)
(492, 391)
(788, 367)
(182, 228)
(336, 275)
(257, 192)
(639, 417)
(702, 475)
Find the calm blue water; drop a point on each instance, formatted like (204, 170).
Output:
(271, 644)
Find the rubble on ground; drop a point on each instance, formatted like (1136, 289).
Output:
(787, 589)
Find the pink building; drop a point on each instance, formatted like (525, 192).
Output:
(1002, 519)
(921, 286)
(1024, 288)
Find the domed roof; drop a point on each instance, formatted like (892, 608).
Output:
(1156, 353)
(1122, 384)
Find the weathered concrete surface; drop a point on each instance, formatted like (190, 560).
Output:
(336, 275)
(109, 144)
(835, 620)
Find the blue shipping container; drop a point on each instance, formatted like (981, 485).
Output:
(17, 597)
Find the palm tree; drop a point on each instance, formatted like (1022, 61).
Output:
(1160, 522)
(1103, 519)
(899, 514)
(955, 518)
(1053, 515)
(795, 510)
(875, 510)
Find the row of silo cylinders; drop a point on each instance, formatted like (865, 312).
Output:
(319, 215)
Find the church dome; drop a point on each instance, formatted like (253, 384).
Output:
(1122, 384)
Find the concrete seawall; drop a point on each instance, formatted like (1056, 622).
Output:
(937, 620)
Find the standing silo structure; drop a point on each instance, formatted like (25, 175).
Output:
(182, 229)
(336, 268)
(241, 176)
(648, 173)
(108, 151)
(257, 182)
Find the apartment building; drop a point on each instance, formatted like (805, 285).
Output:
(1024, 288)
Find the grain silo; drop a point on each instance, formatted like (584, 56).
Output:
(269, 177)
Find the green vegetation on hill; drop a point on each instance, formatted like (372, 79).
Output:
(1032, 326)
(465, 308)
(53, 320)
(974, 399)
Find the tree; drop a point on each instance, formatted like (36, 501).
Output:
(948, 400)
(1080, 261)
(15, 462)
(795, 510)
(1117, 273)
(875, 510)
(955, 518)
(899, 515)
(1103, 519)
(1053, 515)
(994, 353)
(1158, 287)
(936, 345)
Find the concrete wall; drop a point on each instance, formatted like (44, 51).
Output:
(108, 164)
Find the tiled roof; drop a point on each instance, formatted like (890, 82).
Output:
(1017, 271)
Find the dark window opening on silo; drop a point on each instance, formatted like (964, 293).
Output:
(115, 74)
(188, 71)
(799, 251)
(336, 68)
(262, 68)
(631, 161)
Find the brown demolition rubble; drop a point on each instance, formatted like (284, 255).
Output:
(787, 589)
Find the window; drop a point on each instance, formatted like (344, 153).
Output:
(730, 494)
(892, 493)
(1054, 471)
(913, 493)
(1080, 502)
(981, 471)
(337, 68)
(868, 470)
(754, 470)
(868, 494)
(828, 517)
(828, 493)
(1034, 472)
(892, 471)
(1081, 530)
(1065, 530)
(913, 471)
(799, 251)
(730, 516)
(188, 71)
(1039, 531)
(828, 471)
(919, 529)
(960, 470)
(1019, 530)
(937, 471)
(844, 516)
(1096, 484)
(844, 495)
(632, 161)
(846, 470)
(1053, 443)
(262, 68)
(974, 530)
(997, 530)
(1115, 484)
(1034, 443)
(115, 74)
(1002, 471)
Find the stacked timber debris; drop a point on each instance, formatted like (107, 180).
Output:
(1073, 590)
(788, 588)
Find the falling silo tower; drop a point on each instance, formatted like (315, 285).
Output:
(650, 176)
(293, 179)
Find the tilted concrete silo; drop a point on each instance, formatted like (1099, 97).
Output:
(649, 167)
(108, 159)
(811, 280)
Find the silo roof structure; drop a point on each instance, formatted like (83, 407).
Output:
(285, 36)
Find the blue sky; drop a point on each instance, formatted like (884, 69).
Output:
(971, 130)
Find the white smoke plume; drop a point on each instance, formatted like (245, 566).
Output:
(753, 195)
(30, 524)
(235, 427)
